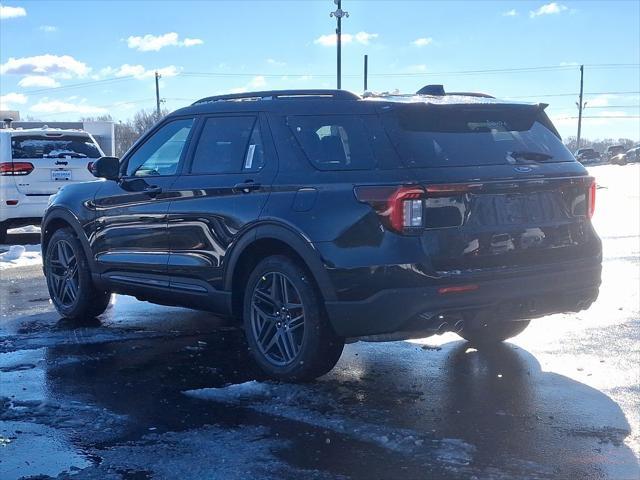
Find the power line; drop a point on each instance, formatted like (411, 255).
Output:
(573, 94)
(118, 104)
(79, 85)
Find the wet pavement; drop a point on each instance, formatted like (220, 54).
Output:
(159, 392)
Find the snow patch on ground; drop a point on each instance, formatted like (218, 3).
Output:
(308, 405)
(19, 256)
(24, 230)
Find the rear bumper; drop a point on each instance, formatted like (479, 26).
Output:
(28, 207)
(422, 309)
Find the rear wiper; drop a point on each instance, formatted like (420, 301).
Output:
(513, 157)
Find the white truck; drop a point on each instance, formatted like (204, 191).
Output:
(34, 164)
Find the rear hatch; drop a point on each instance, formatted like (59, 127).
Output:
(57, 158)
(499, 187)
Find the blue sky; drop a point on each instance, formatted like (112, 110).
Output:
(63, 60)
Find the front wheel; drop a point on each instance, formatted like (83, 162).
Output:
(287, 331)
(69, 279)
(484, 333)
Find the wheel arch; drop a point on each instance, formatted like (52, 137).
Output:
(61, 218)
(272, 239)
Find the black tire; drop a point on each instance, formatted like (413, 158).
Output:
(485, 333)
(285, 347)
(3, 233)
(69, 279)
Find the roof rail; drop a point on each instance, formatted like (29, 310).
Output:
(471, 94)
(275, 94)
(438, 90)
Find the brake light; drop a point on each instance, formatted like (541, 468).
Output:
(591, 205)
(15, 168)
(405, 208)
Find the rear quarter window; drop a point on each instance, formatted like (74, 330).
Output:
(334, 142)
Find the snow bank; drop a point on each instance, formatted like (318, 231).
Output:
(24, 230)
(19, 256)
(317, 406)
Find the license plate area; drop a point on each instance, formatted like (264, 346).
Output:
(60, 175)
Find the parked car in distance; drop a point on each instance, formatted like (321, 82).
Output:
(587, 156)
(312, 217)
(631, 156)
(613, 150)
(34, 164)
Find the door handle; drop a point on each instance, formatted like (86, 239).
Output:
(246, 187)
(152, 190)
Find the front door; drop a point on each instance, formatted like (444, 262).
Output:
(131, 242)
(223, 188)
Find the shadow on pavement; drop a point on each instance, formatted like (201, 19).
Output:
(521, 421)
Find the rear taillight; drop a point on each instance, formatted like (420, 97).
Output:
(15, 168)
(591, 205)
(401, 208)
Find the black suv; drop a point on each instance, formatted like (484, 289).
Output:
(318, 216)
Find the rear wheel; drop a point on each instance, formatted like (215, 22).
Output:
(69, 279)
(287, 331)
(484, 333)
(3, 233)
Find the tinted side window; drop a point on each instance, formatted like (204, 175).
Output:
(229, 145)
(334, 142)
(160, 153)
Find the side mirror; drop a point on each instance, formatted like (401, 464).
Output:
(106, 167)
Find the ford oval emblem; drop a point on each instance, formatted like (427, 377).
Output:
(523, 169)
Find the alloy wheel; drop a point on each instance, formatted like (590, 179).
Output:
(63, 272)
(277, 318)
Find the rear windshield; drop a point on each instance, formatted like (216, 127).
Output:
(450, 136)
(58, 146)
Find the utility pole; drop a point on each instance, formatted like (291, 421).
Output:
(366, 71)
(580, 105)
(157, 95)
(339, 13)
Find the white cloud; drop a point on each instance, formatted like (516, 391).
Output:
(11, 99)
(11, 12)
(153, 43)
(190, 42)
(419, 68)
(548, 9)
(275, 63)
(138, 71)
(48, 28)
(59, 106)
(422, 42)
(63, 66)
(599, 101)
(511, 13)
(330, 40)
(38, 81)
(258, 82)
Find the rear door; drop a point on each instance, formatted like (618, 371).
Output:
(501, 190)
(221, 192)
(57, 157)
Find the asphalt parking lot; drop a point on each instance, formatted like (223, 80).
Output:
(159, 392)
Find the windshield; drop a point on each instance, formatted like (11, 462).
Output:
(441, 136)
(58, 146)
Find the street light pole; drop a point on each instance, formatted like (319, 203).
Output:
(339, 13)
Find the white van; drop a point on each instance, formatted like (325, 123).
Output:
(34, 164)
